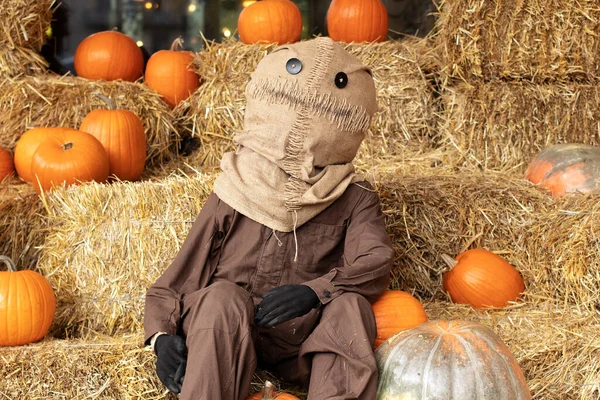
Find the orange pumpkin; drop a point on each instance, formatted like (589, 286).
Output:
(109, 56)
(69, 157)
(270, 21)
(7, 166)
(122, 134)
(27, 306)
(357, 21)
(268, 393)
(482, 279)
(277, 396)
(168, 72)
(566, 168)
(27, 145)
(449, 360)
(396, 311)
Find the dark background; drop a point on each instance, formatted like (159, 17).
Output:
(154, 24)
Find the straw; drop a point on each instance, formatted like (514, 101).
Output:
(24, 22)
(21, 61)
(535, 40)
(505, 125)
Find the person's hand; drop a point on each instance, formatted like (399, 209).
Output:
(171, 361)
(284, 303)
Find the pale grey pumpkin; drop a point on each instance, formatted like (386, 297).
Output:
(449, 360)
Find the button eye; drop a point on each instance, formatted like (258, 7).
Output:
(293, 66)
(341, 80)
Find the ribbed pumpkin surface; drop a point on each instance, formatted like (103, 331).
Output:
(449, 360)
(357, 21)
(27, 307)
(121, 132)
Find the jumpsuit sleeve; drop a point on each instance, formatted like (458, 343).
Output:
(191, 270)
(368, 255)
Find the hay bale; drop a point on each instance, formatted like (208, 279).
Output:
(105, 368)
(109, 243)
(98, 368)
(402, 71)
(52, 100)
(215, 111)
(21, 61)
(24, 22)
(22, 223)
(558, 348)
(535, 40)
(505, 125)
(552, 243)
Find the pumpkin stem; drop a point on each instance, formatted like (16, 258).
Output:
(269, 391)
(9, 263)
(67, 146)
(177, 44)
(109, 102)
(450, 262)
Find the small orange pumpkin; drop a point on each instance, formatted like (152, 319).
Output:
(7, 166)
(26, 146)
(396, 311)
(357, 21)
(270, 21)
(268, 393)
(69, 157)
(482, 279)
(109, 56)
(27, 306)
(168, 73)
(122, 134)
(566, 168)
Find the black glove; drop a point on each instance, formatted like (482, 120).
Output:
(284, 303)
(171, 361)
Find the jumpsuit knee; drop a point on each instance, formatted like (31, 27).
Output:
(217, 324)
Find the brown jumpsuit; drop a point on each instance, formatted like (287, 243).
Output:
(229, 261)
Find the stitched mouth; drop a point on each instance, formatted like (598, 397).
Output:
(347, 117)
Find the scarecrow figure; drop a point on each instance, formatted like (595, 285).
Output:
(281, 265)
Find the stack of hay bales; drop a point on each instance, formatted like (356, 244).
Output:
(518, 76)
(23, 25)
(460, 115)
(514, 77)
(108, 243)
(32, 97)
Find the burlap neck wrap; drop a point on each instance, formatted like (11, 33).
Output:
(301, 132)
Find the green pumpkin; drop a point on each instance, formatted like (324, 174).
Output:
(449, 360)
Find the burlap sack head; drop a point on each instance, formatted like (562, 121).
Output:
(309, 105)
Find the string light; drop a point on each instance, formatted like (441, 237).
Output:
(148, 5)
(246, 3)
(192, 8)
(226, 32)
(139, 43)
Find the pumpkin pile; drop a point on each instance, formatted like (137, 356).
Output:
(108, 143)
